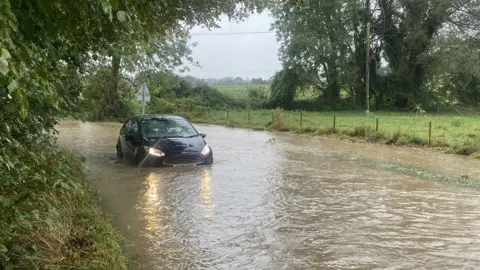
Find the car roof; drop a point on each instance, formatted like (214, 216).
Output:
(158, 116)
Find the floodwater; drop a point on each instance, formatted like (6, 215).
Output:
(287, 203)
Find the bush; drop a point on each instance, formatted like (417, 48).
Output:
(48, 218)
(467, 148)
(161, 106)
(206, 96)
(279, 125)
(361, 131)
(257, 92)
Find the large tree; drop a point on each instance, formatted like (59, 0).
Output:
(315, 39)
(328, 39)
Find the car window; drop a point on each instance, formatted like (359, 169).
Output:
(133, 127)
(126, 127)
(167, 128)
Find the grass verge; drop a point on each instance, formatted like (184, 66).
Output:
(452, 133)
(58, 228)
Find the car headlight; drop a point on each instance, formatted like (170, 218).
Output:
(154, 152)
(206, 150)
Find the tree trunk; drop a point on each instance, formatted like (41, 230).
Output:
(112, 93)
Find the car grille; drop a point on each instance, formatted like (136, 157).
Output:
(182, 159)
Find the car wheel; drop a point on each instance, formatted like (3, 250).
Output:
(119, 150)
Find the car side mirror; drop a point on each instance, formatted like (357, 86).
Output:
(203, 135)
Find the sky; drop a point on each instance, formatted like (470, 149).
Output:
(246, 55)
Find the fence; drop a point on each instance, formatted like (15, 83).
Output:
(398, 128)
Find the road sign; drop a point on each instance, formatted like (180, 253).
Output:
(143, 94)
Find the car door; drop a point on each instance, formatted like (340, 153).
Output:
(123, 136)
(131, 136)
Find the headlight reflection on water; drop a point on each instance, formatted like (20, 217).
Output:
(206, 193)
(153, 205)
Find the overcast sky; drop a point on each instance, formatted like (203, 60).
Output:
(247, 55)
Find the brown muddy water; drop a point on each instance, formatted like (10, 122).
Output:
(297, 202)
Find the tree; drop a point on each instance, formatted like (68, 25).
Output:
(315, 38)
(43, 44)
(326, 42)
(283, 88)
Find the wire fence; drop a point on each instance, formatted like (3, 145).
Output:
(402, 128)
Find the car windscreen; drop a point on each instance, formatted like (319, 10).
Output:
(167, 128)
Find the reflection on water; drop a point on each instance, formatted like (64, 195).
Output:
(152, 206)
(207, 193)
(287, 205)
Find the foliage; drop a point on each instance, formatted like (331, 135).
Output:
(44, 205)
(420, 42)
(175, 95)
(93, 99)
(257, 92)
(394, 128)
(204, 95)
(258, 96)
(284, 87)
(259, 81)
(45, 49)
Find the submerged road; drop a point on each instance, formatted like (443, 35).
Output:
(297, 202)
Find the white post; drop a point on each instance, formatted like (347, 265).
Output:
(143, 99)
(367, 77)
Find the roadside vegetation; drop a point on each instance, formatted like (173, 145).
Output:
(68, 59)
(449, 133)
(454, 129)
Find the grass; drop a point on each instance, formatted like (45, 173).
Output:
(60, 228)
(454, 133)
(239, 92)
(75, 236)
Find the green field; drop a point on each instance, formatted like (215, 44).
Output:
(455, 133)
(239, 92)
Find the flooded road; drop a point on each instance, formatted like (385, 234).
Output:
(297, 202)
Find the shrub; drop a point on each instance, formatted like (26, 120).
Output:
(279, 125)
(206, 96)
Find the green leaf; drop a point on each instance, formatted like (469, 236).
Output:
(114, 4)
(11, 108)
(3, 248)
(5, 54)
(7, 127)
(26, 104)
(13, 85)
(3, 66)
(122, 16)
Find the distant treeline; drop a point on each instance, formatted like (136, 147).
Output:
(229, 81)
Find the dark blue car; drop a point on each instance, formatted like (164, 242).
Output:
(162, 140)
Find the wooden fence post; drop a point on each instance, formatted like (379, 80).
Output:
(334, 122)
(249, 116)
(301, 119)
(430, 133)
(376, 126)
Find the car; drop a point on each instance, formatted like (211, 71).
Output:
(163, 140)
